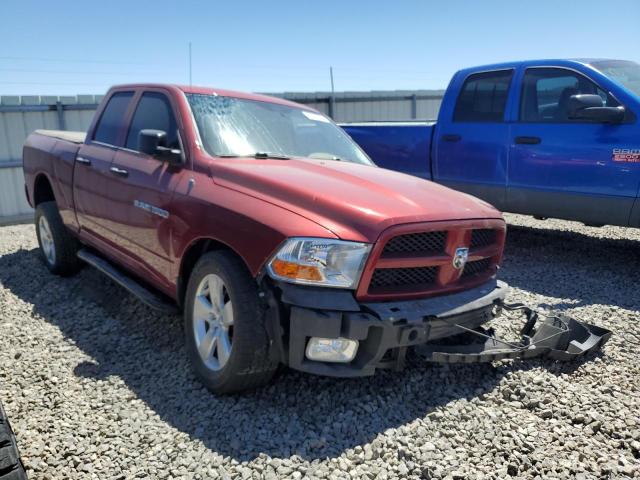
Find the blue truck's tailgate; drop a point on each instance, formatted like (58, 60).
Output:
(401, 146)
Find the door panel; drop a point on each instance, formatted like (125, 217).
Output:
(140, 188)
(476, 163)
(470, 142)
(92, 163)
(570, 171)
(91, 173)
(139, 208)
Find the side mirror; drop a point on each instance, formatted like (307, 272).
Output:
(153, 142)
(590, 108)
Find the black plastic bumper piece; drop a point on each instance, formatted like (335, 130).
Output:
(443, 329)
(385, 330)
(557, 337)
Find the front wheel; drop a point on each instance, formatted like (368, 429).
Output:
(226, 339)
(58, 246)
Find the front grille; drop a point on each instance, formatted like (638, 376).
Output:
(412, 243)
(415, 263)
(475, 268)
(483, 237)
(402, 277)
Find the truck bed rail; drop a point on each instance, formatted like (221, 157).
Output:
(73, 137)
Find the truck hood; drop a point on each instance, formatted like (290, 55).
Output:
(356, 202)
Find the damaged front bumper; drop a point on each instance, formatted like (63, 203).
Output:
(385, 331)
(558, 337)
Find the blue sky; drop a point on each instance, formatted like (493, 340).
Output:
(67, 47)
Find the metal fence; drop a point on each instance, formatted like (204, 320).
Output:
(372, 106)
(19, 116)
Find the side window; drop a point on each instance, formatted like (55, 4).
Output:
(153, 111)
(112, 118)
(546, 93)
(483, 97)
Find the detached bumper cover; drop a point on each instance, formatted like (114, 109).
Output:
(443, 329)
(383, 330)
(558, 337)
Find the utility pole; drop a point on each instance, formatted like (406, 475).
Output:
(332, 98)
(190, 78)
(331, 75)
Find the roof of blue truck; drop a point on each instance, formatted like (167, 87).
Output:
(540, 62)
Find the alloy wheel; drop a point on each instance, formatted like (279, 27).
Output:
(46, 240)
(213, 322)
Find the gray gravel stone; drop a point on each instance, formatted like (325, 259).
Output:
(97, 385)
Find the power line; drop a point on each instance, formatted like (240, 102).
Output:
(68, 60)
(57, 83)
(77, 72)
(349, 70)
(233, 66)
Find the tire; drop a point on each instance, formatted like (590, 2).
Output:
(241, 361)
(57, 245)
(11, 467)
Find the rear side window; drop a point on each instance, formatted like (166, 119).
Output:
(154, 112)
(546, 93)
(483, 97)
(112, 119)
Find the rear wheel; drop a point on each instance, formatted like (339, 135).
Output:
(225, 334)
(58, 246)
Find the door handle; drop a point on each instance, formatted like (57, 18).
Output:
(528, 140)
(451, 137)
(84, 161)
(119, 171)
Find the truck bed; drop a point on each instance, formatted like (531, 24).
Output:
(49, 155)
(401, 146)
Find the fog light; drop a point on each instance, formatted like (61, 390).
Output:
(339, 350)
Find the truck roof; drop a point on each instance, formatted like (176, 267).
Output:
(567, 62)
(217, 91)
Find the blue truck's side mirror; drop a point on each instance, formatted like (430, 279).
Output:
(591, 108)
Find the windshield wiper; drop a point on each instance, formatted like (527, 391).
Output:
(326, 156)
(277, 156)
(260, 155)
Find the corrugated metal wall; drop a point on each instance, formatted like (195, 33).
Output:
(372, 106)
(19, 116)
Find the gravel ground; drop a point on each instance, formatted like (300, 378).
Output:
(97, 385)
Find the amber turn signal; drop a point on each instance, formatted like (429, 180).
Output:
(295, 271)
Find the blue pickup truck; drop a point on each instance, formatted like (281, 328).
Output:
(548, 138)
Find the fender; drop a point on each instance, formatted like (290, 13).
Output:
(249, 226)
(59, 173)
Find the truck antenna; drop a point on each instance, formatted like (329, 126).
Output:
(190, 78)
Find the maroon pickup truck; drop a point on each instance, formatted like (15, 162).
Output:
(268, 226)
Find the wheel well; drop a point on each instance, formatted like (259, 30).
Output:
(191, 257)
(42, 191)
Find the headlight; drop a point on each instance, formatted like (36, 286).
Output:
(320, 261)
